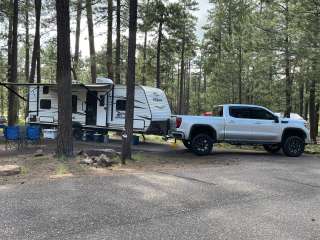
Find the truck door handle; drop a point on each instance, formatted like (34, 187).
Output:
(230, 121)
(258, 123)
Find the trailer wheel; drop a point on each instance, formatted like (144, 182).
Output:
(187, 143)
(77, 133)
(202, 144)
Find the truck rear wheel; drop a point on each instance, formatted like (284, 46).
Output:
(272, 148)
(293, 146)
(187, 143)
(202, 144)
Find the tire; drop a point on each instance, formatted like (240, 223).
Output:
(293, 146)
(272, 148)
(202, 144)
(187, 143)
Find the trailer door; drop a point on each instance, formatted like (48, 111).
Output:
(101, 110)
(91, 108)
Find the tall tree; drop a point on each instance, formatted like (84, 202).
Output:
(65, 138)
(35, 61)
(118, 43)
(77, 42)
(109, 43)
(91, 41)
(160, 19)
(13, 103)
(128, 132)
(27, 43)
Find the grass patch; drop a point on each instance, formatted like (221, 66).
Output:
(138, 157)
(24, 170)
(313, 149)
(62, 169)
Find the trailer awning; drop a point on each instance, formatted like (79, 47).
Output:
(89, 87)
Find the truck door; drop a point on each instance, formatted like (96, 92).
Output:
(238, 124)
(264, 128)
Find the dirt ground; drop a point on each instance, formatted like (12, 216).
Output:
(149, 156)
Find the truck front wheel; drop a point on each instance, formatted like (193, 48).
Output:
(202, 144)
(293, 146)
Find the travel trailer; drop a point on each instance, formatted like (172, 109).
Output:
(99, 107)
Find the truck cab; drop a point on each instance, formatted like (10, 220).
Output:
(242, 124)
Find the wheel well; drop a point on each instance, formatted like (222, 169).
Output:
(293, 132)
(205, 129)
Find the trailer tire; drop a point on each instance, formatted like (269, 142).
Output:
(187, 144)
(293, 146)
(77, 133)
(202, 144)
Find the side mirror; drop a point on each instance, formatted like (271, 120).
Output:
(276, 119)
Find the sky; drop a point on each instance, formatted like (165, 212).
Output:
(100, 37)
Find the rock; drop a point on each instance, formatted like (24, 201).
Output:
(110, 153)
(87, 161)
(38, 153)
(9, 170)
(104, 161)
(80, 153)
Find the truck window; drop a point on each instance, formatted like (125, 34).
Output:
(261, 114)
(217, 111)
(239, 112)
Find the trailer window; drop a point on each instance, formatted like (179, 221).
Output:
(45, 104)
(45, 90)
(74, 103)
(121, 105)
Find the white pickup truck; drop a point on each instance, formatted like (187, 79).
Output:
(241, 124)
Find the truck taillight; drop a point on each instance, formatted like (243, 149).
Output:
(178, 122)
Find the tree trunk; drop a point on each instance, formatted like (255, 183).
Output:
(317, 120)
(301, 98)
(1, 102)
(287, 64)
(9, 42)
(77, 43)
(312, 108)
(181, 93)
(240, 73)
(35, 61)
(65, 138)
(127, 136)
(118, 43)
(27, 42)
(158, 80)
(145, 51)
(91, 42)
(109, 43)
(188, 87)
(13, 103)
